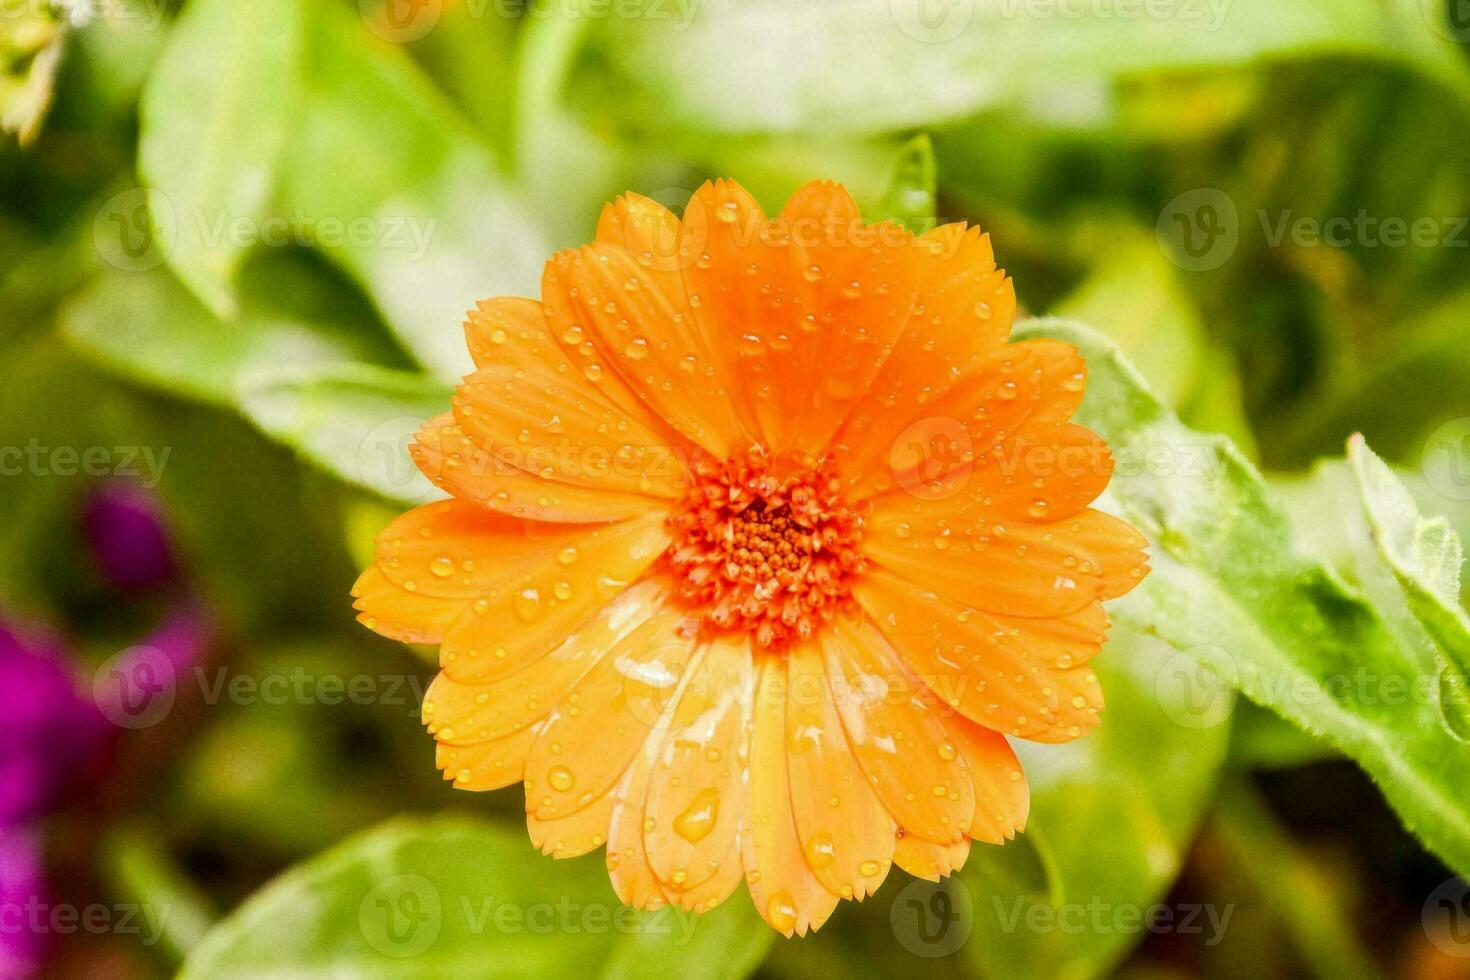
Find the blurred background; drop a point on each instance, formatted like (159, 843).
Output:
(236, 244)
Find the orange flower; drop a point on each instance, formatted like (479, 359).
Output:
(760, 541)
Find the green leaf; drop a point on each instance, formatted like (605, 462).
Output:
(216, 115)
(1398, 389)
(145, 326)
(911, 194)
(1426, 556)
(440, 229)
(770, 66)
(1134, 296)
(356, 422)
(425, 223)
(1236, 586)
(1104, 827)
(456, 897)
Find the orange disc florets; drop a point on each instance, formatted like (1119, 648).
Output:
(766, 545)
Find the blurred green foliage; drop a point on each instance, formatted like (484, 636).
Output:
(245, 234)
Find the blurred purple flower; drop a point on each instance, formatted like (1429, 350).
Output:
(22, 888)
(128, 536)
(49, 734)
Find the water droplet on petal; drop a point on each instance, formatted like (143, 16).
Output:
(698, 819)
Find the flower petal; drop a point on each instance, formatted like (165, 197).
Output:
(740, 295)
(785, 891)
(928, 860)
(697, 796)
(548, 587)
(574, 834)
(628, 863)
(1002, 672)
(455, 550)
(509, 331)
(392, 611)
(454, 463)
(857, 286)
(896, 731)
(643, 329)
(845, 831)
(489, 765)
(928, 436)
(1002, 798)
(992, 564)
(463, 712)
(534, 419)
(591, 737)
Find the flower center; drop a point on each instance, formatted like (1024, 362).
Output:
(766, 545)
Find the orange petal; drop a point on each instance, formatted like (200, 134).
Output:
(929, 435)
(550, 585)
(963, 312)
(581, 362)
(649, 232)
(454, 463)
(857, 286)
(488, 765)
(392, 611)
(926, 859)
(1117, 548)
(628, 864)
(697, 796)
(1002, 672)
(1081, 699)
(591, 737)
(463, 712)
(785, 891)
(534, 419)
(644, 330)
(846, 833)
(1002, 798)
(896, 731)
(574, 834)
(509, 331)
(992, 564)
(739, 289)
(457, 550)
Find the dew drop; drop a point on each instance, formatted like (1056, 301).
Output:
(698, 819)
(820, 852)
(527, 605)
(781, 911)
